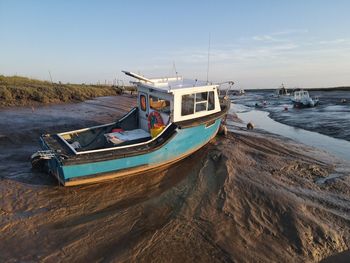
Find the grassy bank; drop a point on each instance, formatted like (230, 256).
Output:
(21, 91)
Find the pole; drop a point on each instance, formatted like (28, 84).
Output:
(208, 59)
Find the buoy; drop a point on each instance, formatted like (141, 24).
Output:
(250, 126)
(343, 100)
(286, 108)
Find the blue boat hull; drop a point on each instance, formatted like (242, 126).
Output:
(185, 142)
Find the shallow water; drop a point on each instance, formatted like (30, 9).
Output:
(261, 119)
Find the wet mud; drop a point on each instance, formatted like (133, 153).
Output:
(247, 197)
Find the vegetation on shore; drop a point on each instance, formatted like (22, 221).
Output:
(15, 91)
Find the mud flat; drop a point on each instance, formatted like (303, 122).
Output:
(249, 197)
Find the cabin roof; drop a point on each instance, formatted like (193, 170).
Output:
(170, 84)
(175, 84)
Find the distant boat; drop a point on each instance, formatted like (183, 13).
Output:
(237, 92)
(174, 118)
(281, 91)
(302, 99)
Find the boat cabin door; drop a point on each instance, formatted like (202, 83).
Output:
(143, 110)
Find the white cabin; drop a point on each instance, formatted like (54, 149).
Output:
(301, 94)
(176, 99)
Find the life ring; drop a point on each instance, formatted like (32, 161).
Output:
(155, 120)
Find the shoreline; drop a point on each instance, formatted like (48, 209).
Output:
(334, 146)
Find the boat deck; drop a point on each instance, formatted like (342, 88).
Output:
(55, 143)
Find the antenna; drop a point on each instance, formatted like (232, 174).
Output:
(208, 59)
(174, 68)
(50, 76)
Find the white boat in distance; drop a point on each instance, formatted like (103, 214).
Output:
(302, 99)
(281, 92)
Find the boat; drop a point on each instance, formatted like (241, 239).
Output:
(239, 92)
(174, 118)
(282, 91)
(302, 99)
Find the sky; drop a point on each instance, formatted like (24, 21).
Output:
(257, 44)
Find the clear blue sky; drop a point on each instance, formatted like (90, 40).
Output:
(258, 44)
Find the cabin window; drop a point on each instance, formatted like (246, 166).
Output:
(159, 104)
(143, 105)
(187, 104)
(201, 97)
(201, 101)
(211, 100)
